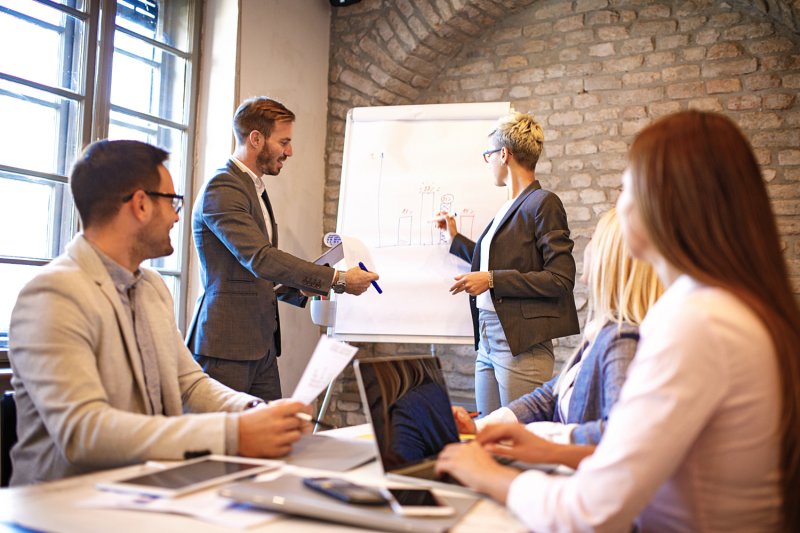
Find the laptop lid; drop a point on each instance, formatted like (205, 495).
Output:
(406, 401)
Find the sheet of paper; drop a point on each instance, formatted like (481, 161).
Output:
(330, 357)
(355, 251)
(207, 505)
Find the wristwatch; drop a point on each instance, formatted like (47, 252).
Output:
(340, 286)
(491, 279)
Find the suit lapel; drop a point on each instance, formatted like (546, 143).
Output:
(233, 169)
(518, 202)
(83, 254)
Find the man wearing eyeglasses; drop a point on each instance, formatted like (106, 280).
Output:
(235, 333)
(101, 373)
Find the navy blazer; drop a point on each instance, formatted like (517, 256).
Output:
(534, 271)
(595, 390)
(236, 316)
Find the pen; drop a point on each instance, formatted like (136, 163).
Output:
(474, 415)
(440, 218)
(373, 283)
(308, 418)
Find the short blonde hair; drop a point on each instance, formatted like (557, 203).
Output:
(623, 288)
(521, 135)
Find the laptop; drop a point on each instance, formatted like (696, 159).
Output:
(405, 399)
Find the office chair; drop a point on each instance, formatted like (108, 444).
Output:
(8, 435)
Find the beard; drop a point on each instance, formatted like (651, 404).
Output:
(268, 163)
(152, 241)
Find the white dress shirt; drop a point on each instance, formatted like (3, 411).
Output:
(484, 299)
(692, 444)
(260, 188)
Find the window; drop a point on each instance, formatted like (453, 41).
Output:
(70, 75)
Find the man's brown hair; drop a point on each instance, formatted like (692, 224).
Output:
(107, 172)
(259, 114)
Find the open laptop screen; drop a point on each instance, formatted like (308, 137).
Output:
(409, 408)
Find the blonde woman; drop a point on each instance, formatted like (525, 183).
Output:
(573, 407)
(522, 275)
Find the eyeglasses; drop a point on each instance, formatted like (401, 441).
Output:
(487, 154)
(177, 199)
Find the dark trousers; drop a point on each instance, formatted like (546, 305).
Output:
(259, 378)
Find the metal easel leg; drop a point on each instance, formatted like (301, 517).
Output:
(324, 408)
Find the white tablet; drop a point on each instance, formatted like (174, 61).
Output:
(192, 475)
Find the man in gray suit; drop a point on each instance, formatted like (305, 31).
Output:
(101, 374)
(235, 332)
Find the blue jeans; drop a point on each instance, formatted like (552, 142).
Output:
(259, 377)
(500, 376)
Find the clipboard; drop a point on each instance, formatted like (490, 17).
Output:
(328, 258)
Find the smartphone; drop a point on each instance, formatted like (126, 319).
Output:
(345, 491)
(417, 502)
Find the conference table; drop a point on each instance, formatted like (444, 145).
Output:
(53, 508)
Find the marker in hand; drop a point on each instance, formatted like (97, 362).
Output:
(373, 283)
(441, 218)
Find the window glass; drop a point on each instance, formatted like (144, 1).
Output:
(165, 22)
(47, 44)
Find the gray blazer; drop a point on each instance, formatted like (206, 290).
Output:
(80, 390)
(534, 271)
(595, 390)
(236, 316)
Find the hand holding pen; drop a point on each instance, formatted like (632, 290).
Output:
(446, 221)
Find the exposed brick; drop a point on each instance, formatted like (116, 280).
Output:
(580, 181)
(792, 81)
(602, 50)
(602, 83)
(640, 78)
(519, 91)
(771, 46)
(756, 82)
(507, 34)
(548, 87)
(650, 94)
(532, 104)
(660, 27)
(582, 6)
(632, 127)
(782, 62)
(338, 93)
(555, 71)
(610, 163)
(730, 85)
(586, 100)
(692, 89)
(784, 192)
(692, 23)
(587, 130)
(731, 68)
(792, 118)
(624, 64)
(705, 104)
(535, 30)
(788, 138)
(485, 95)
(613, 146)
(673, 41)
(570, 165)
(768, 174)
(562, 102)
(568, 197)
(778, 101)
(581, 148)
(610, 180)
(694, 54)
(707, 37)
(593, 196)
(785, 227)
(602, 17)
(657, 59)
(554, 10)
(724, 51)
(358, 83)
(611, 113)
(792, 174)
(788, 157)
(512, 62)
(612, 33)
(569, 54)
(566, 24)
(384, 29)
(725, 19)
(763, 156)
(682, 72)
(744, 103)
(553, 150)
(659, 109)
(583, 69)
(636, 46)
(565, 119)
(749, 31)
(574, 85)
(637, 111)
(387, 63)
(760, 121)
(472, 83)
(527, 75)
(532, 47)
(478, 67)
(498, 78)
(577, 37)
(448, 86)
(578, 214)
(504, 49)
(544, 167)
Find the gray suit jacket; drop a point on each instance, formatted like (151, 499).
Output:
(236, 316)
(534, 271)
(80, 390)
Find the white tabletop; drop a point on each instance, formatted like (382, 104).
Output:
(51, 507)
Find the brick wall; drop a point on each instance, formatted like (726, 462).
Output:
(594, 72)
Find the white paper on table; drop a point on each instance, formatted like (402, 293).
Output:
(206, 505)
(330, 357)
(355, 251)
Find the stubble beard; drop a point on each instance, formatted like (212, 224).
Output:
(267, 164)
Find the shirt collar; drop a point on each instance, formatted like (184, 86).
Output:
(256, 179)
(675, 293)
(122, 277)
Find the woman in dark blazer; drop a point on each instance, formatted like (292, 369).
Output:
(523, 272)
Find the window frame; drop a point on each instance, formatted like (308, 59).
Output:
(94, 120)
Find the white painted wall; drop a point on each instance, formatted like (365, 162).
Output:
(283, 53)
